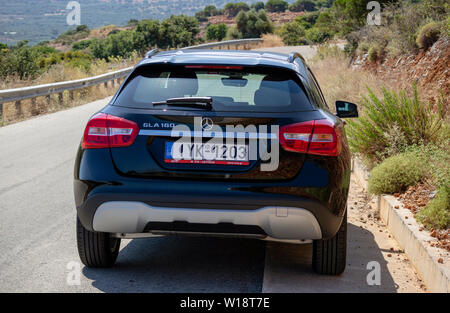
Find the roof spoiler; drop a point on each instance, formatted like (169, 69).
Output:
(293, 56)
(151, 53)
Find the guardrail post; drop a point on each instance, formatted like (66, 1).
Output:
(34, 108)
(112, 83)
(18, 106)
(71, 97)
(61, 98)
(1, 113)
(47, 98)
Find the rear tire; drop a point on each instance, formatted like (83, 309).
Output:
(96, 249)
(329, 256)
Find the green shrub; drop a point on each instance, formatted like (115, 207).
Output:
(22, 60)
(253, 24)
(395, 174)
(233, 33)
(428, 35)
(318, 35)
(293, 34)
(418, 122)
(307, 20)
(374, 54)
(437, 212)
(435, 158)
(81, 45)
(216, 32)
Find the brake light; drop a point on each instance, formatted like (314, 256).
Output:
(220, 67)
(319, 137)
(109, 131)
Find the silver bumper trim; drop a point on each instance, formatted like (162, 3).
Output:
(279, 223)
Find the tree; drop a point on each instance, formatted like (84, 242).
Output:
(211, 10)
(216, 32)
(178, 31)
(276, 6)
(302, 5)
(208, 11)
(253, 24)
(147, 35)
(132, 22)
(307, 20)
(350, 15)
(257, 6)
(232, 9)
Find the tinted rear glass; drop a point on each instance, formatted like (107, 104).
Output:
(238, 89)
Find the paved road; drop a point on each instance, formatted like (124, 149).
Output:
(38, 247)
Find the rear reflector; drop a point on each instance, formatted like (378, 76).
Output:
(109, 131)
(319, 137)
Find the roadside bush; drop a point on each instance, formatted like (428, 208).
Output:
(373, 54)
(428, 35)
(317, 35)
(435, 159)
(436, 214)
(395, 174)
(293, 34)
(216, 32)
(253, 24)
(22, 60)
(418, 122)
(307, 20)
(233, 33)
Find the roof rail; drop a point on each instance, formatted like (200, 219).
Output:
(293, 56)
(151, 53)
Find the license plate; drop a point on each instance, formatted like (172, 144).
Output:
(206, 153)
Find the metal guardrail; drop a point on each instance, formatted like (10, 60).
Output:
(228, 44)
(18, 94)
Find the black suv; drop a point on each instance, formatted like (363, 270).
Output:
(217, 143)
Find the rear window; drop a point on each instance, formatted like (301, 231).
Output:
(232, 89)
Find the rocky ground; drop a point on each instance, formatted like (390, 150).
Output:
(429, 68)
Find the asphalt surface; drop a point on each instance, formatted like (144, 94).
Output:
(38, 247)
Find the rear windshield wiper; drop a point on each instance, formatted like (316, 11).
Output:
(194, 102)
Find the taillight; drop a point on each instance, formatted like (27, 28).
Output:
(109, 131)
(319, 137)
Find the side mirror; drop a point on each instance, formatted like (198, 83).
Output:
(346, 109)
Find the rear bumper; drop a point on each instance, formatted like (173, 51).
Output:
(283, 223)
(97, 183)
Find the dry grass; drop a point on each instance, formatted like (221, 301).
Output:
(339, 81)
(270, 40)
